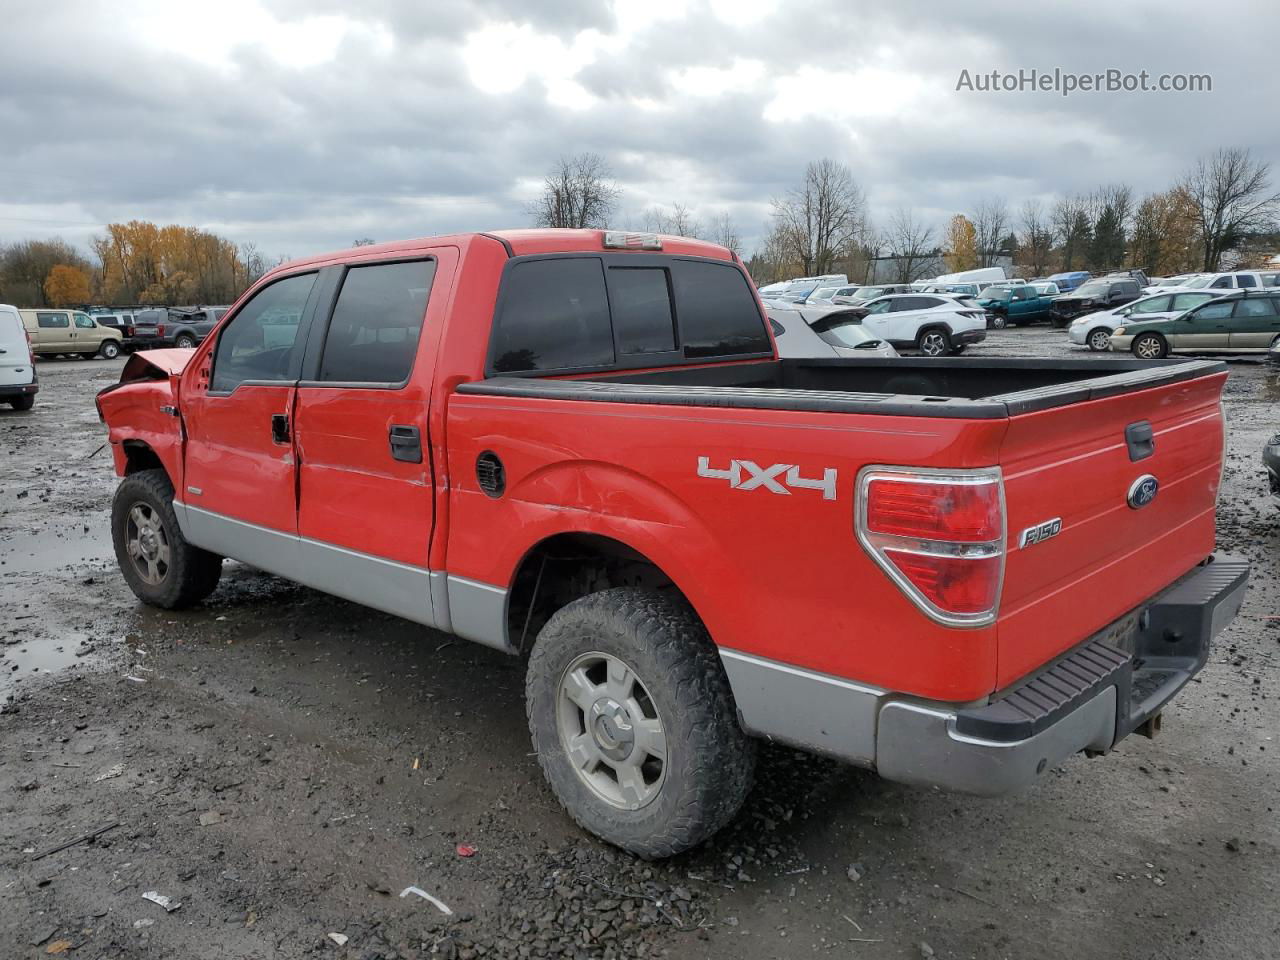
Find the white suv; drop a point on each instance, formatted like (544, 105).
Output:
(934, 325)
(1241, 280)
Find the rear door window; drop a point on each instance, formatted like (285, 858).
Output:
(52, 321)
(376, 322)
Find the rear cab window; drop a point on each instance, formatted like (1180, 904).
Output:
(627, 311)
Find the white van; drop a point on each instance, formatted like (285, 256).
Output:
(989, 274)
(17, 363)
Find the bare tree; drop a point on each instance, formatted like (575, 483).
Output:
(1231, 196)
(1037, 236)
(910, 244)
(990, 221)
(580, 192)
(722, 231)
(677, 222)
(819, 219)
(1070, 218)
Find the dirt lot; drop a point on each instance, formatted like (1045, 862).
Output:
(284, 764)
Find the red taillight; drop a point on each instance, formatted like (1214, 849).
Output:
(940, 537)
(905, 506)
(159, 329)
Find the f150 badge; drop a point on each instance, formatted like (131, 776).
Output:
(1040, 533)
(779, 478)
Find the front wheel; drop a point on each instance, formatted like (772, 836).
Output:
(999, 322)
(634, 723)
(185, 341)
(158, 563)
(109, 350)
(934, 342)
(1149, 346)
(1099, 340)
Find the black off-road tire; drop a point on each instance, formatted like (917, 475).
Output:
(192, 573)
(710, 761)
(25, 402)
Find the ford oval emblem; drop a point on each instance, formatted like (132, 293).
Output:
(1143, 491)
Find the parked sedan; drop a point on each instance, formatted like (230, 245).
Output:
(804, 332)
(1271, 460)
(933, 325)
(1094, 329)
(1241, 322)
(864, 295)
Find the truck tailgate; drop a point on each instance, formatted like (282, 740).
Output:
(1075, 464)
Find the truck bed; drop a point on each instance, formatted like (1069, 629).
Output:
(977, 388)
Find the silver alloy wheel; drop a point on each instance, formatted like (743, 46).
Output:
(998, 322)
(148, 545)
(610, 729)
(109, 350)
(1147, 348)
(1100, 339)
(184, 342)
(933, 344)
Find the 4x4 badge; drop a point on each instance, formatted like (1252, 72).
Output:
(1142, 491)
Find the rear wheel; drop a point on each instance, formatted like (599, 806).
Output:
(1149, 346)
(159, 565)
(934, 342)
(185, 341)
(109, 350)
(1099, 339)
(25, 402)
(634, 723)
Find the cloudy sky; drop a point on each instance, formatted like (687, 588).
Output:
(304, 124)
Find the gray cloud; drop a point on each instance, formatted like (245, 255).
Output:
(390, 137)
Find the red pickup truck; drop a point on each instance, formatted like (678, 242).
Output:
(580, 446)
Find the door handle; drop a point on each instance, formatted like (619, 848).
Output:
(406, 443)
(279, 428)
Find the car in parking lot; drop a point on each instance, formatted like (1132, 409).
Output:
(1094, 329)
(1271, 460)
(827, 294)
(1015, 304)
(865, 294)
(53, 331)
(1101, 293)
(124, 322)
(1069, 280)
(1241, 322)
(1238, 280)
(183, 327)
(934, 325)
(804, 332)
(18, 380)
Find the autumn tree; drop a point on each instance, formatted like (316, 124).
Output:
(819, 219)
(174, 264)
(25, 266)
(961, 244)
(580, 192)
(67, 285)
(1231, 196)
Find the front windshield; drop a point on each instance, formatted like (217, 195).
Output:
(1196, 283)
(1175, 281)
(1092, 290)
(841, 330)
(867, 293)
(822, 293)
(997, 293)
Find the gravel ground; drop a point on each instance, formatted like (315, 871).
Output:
(283, 764)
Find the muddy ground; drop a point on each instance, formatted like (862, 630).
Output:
(283, 764)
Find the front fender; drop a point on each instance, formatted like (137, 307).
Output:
(139, 411)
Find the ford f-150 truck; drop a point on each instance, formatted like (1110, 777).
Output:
(580, 446)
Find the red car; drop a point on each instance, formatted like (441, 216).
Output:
(581, 445)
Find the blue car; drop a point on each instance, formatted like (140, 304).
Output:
(1069, 281)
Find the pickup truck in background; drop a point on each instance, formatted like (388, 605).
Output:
(183, 327)
(1100, 293)
(581, 446)
(1014, 305)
